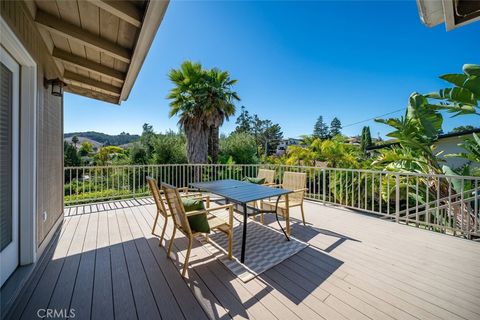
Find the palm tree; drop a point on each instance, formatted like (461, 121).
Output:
(188, 102)
(203, 99)
(220, 106)
(75, 141)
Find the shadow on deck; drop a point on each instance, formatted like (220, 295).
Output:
(105, 264)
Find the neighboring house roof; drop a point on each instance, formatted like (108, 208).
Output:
(440, 137)
(98, 45)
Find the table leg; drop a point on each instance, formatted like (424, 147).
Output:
(244, 236)
(276, 217)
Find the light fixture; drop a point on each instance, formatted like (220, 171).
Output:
(57, 86)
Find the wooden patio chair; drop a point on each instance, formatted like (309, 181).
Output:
(268, 175)
(162, 209)
(294, 181)
(180, 219)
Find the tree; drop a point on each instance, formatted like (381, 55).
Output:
(70, 155)
(335, 127)
(219, 106)
(106, 153)
(169, 148)
(85, 149)
(187, 102)
(463, 128)
(75, 141)
(146, 138)
(338, 153)
(202, 99)
(240, 147)
(271, 136)
(365, 139)
(320, 130)
(244, 121)
(138, 154)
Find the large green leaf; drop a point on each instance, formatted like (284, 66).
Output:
(472, 69)
(473, 84)
(458, 94)
(456, 79)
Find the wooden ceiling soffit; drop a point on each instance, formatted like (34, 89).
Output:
(72, 88)
(88, 65)
(75, 33)
(112, 90)
(124, 10)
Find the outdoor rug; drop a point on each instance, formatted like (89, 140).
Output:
(266, 247)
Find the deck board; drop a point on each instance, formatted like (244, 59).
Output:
(106, 264)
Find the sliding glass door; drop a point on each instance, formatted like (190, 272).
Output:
(9, 144)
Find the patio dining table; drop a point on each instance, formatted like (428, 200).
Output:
(243, 193)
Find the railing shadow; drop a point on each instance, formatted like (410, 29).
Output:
(97, 207)
(308, 232)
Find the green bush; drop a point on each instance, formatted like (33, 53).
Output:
(169, 148)
(240, 147)
(105, 195)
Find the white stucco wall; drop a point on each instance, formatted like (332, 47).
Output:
(448, 146)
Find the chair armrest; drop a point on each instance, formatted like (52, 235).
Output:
(195, 212)
(275, 185)
(225, 206)
(269, 184)
(191, 195)
(208, 210)
(300, 190)
(183, 189)
(230, 213)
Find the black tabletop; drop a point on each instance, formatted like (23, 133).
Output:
(239, 191)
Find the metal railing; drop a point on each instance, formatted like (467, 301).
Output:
(447, 204)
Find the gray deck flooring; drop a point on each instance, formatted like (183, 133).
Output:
(105, 264)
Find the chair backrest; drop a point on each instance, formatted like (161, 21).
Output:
(268, 175)
(175, 205)
(153, 186)
(294, 181)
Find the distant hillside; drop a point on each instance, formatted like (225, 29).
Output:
(95, 144)
(104, 139)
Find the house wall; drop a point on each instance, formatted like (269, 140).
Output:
(49, 115)
(448, 146)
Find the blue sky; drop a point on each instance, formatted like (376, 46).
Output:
(294, 61)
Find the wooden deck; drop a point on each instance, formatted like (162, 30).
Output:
(105, 264)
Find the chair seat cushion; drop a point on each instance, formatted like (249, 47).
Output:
(198, 222)
(254, 180)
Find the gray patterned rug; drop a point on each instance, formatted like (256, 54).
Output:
(266, 247)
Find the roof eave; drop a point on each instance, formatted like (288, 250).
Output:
(154, 14)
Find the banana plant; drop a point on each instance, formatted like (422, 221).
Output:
(472, 148)
(464, 97)
(418, 129)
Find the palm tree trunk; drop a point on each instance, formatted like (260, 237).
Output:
(197, 143)
(213, 143)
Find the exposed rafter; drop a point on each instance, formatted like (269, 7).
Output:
(68, 75)
(124, 10)
(75, 33)
(90, 93)
(88, 65)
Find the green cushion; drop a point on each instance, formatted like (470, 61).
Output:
(254, 180)
(198, 222)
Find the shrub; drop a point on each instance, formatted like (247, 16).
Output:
(169, 148)
(240, 147)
